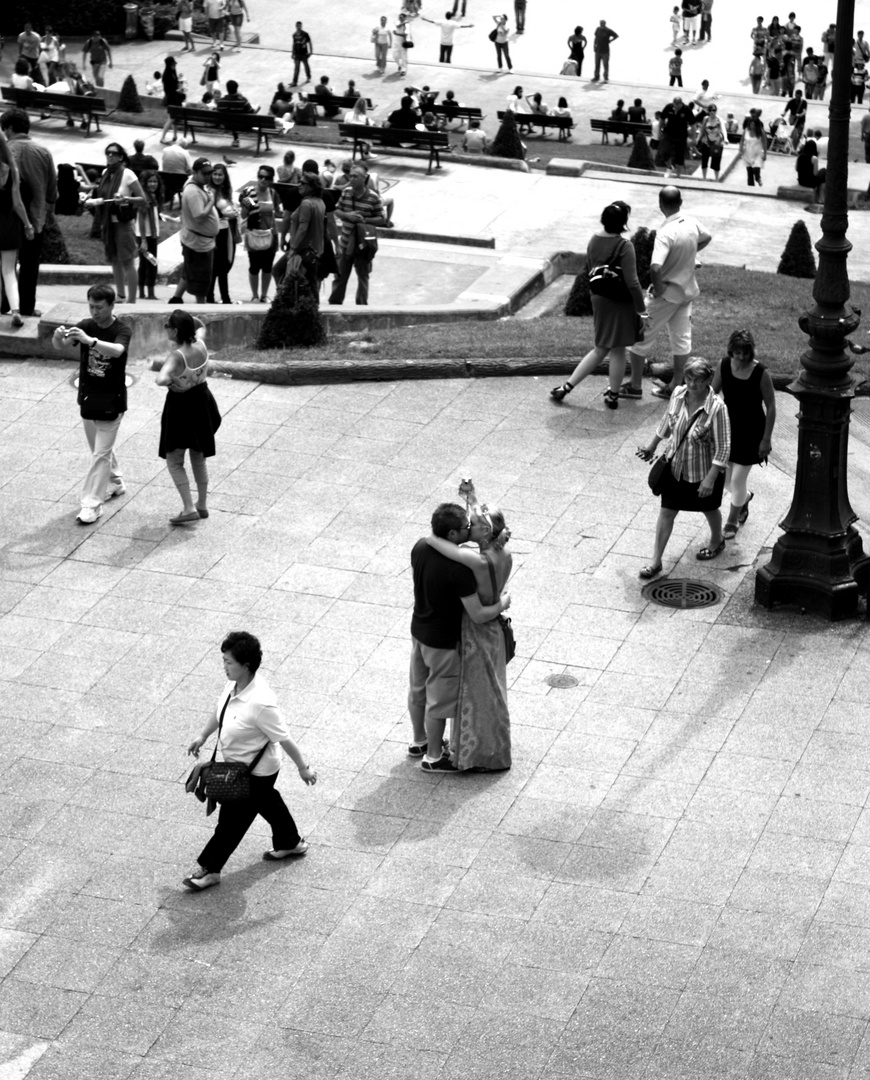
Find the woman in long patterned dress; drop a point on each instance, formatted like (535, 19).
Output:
(480, 736)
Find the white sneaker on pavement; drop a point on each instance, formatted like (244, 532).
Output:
(89, 514)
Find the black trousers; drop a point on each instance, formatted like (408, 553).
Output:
(29, 258)
(221, 267)
(299, 61)
(445, 54)
(235, 818)
(147, 270)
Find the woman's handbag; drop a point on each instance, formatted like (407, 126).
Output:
(407, 44)
(228, 781)
(124, 211)
(493, 34)
(606, 280)
(660, 473)
(510, 642)
(259, 239)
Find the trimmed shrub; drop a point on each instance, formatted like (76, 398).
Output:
(294, 317)
(54, 249)
(641, 155)
(644, 240)
(128, 100)
(507, 142)
(579, 300)
(68, 20)
(797, 257)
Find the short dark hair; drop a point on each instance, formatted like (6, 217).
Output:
(15, 120)
(614, 217)
(232, 86)
(21, 66)
(138, 145)
(102, 292)
(244, 649)
(311, 166)
(741, 337)
(266, 169)
(447, 517)
(183, 325)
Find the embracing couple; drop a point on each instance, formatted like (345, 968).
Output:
(458, 653)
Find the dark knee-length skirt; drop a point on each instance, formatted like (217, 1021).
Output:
(189, 422)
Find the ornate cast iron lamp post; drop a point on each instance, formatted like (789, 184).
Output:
(819, 561)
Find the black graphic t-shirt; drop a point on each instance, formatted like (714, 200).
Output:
(102, 378)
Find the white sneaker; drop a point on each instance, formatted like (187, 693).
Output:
(201, 879)
(116, 489)
(89, 514)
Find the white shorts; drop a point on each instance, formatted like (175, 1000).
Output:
(678, 320)
(185, 25)
(692, 24)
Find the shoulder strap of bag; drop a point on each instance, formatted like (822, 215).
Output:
(263, 748)
(492, 577)
(685, 433)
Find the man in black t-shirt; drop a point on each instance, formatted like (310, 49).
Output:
(102, 342)
(442, 589)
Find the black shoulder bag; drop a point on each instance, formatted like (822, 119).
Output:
(660, 472)
(229, 781)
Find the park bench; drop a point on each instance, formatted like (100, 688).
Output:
(457, 112)
(562, 124)
(620, 127)
(433, 141)
(237, 123)
(173, 182)
(89, 108)
(340, 103)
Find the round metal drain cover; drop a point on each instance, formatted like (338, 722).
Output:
(562, 682)
(682, 593)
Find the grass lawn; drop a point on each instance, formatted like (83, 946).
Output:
(83, 251)
(729, 300)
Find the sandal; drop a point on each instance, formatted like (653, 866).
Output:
(706, 553)
(559, 393)
(611, 399)
(744, 509)
(730, 530)
(650, 571)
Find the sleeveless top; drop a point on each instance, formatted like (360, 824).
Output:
(190, 377)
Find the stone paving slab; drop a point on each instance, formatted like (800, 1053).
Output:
(670, 881)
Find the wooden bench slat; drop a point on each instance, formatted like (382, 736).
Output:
(563, 124)
(361, 133)
(339, 102)
(237, 123)
(620, 127)
(43, 101)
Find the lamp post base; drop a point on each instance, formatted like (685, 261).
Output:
(825, 575)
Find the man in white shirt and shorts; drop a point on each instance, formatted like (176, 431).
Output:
(673, 290)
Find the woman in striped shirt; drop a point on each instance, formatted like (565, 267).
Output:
(698, 435)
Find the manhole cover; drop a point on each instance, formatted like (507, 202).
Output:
(682, 593)
(562, 682)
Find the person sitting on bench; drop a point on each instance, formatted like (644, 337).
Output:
(234, 102)
(324, 98)
(808, 172)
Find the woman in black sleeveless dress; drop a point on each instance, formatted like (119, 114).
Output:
(749, 396)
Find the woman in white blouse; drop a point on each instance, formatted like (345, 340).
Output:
(251, 728)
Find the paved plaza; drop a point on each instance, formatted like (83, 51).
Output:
(673, 880)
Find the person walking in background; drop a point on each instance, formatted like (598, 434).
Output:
(116, 204)
(673, 290)
(184, 14)
(211, 72)
(38, 190)
(29, 44)
(698, 447)
(50, 52)
(601, 47)
(15, 225)
(382, 39)
(711, 142)
(500, 40)
(237, 13)
(747, 389)
(577, 45)
(520, 15)
(753, 150)
(756, 71)
(103, 342)
(616, 314)
(172, 95)
(97, 49)
(215, 11)
(148, 232)
(402, 42)
(190, 414)
(302, 50)
(706, 31)
(675, 68)
(246, 714)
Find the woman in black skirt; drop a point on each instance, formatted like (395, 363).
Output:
(750, 398)
(190, 415)
(698, 447)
